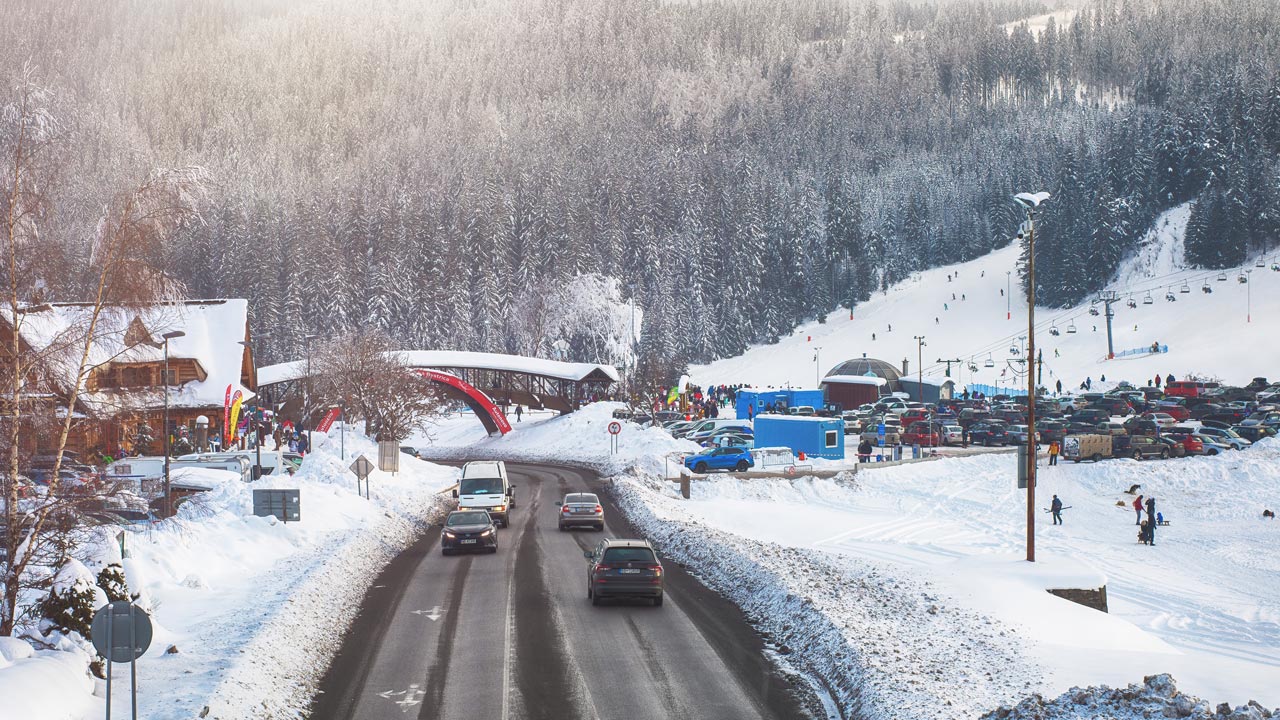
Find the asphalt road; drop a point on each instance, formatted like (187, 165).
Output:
(512, 636)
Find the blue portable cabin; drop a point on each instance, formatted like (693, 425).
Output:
(814, 436)
(780, 398)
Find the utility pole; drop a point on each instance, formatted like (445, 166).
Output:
(817, 367)
(919, 366)
(1030, 202)
(957, 361)
(1008, 294)
(168, 491)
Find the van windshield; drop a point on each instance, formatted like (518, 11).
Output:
(481, 486)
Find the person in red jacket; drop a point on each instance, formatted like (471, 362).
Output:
(1137, 506)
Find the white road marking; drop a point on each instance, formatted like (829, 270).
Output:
(433, 614)
(408, 698)
(506, 652)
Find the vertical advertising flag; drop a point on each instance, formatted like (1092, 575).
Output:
(235, 415)
(226, 416)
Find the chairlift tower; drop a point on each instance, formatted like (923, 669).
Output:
(1107, 298)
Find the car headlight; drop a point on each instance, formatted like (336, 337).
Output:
(450, 534)
(487, 533)
(499, 508)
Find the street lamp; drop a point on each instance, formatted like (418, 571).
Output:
(1031, 201)
(919, 366)
(257, 426)
(306, 389)
(817, 367)
(168, 491)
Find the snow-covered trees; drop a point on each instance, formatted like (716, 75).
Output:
(741, 166)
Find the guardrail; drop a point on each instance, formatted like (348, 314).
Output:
(1148, 350)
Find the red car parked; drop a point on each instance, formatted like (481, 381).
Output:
(1189, 442)
(1177, 411)
(923, 433)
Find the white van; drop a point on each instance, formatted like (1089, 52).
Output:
(273, 462)
(484, 486)
(700, 426)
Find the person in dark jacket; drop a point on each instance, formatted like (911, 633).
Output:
(1151, 518)
(1056, 507)
(864, 450)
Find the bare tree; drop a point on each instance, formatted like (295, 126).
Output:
(362, 371)
(46, 376)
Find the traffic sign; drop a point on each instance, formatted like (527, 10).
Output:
(362, 467)
(121, 631)
(615, 427)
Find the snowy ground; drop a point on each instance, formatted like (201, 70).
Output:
(1195, 327)
(1203, 604)
(254, 607)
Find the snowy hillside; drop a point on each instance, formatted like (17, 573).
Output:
(1207, 334)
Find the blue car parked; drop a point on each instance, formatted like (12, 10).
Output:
(725, 458)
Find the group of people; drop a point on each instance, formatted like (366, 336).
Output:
(1147, 527)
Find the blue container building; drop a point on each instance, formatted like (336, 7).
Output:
(780, 399)
(814, 436)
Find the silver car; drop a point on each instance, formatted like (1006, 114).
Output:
(581, 510)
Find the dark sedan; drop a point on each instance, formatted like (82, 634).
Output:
(988, 434)
(466, 530)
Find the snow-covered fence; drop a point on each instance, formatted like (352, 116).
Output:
(1147, 350)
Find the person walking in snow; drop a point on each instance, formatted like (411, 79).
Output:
(1137, 507)
(873, 337)
(1053, 454)
(1059, 386)
(935, 320)
(519, 412)
(1056, 507)
(864, 451)
(1151, 519)
(945, 306)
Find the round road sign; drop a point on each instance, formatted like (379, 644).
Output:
(130, 631)
(615, 427)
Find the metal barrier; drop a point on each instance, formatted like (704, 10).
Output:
(1148, 350)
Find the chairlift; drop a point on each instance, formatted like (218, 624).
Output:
(973, 368)
(1053, 330)
(1261, 263)
(990, 362)
(1148, 300)
(1131, 302)
(1222, 276)
(1185, 288)
(1207, 290)
(1275, 266)
(1071, 327)
(1242, 279)
(1013, 350)
(1093, 310)
(1170, 296)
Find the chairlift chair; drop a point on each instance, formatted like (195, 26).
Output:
(1222, 276)
(990, 362)
(1261, 263)
(973, 368)
(1148, 300)
(1071, 327)
(1053, 330)
(1185, 288)
(1207, 290)
(1013, 350)
(1093, 310)
(1131, 302)
(1242, 279)
(1275, 267)
(1170, 296)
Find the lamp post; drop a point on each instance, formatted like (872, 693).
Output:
(817, 366)
(168, 492)
(306, 389)
(1030, 201)
(919, 367)
(257, 425)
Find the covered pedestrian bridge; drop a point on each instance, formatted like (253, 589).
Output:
(485, 382)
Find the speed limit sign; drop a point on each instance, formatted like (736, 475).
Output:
(615, 427)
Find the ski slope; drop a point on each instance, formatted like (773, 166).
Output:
(1221, 335)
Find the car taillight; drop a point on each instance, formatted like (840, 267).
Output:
(657, 569)
(599, 509)
(602, 568)
(564, 509)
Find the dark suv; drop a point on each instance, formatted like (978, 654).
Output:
(1139, 447)
(988, 433)
(622, 569)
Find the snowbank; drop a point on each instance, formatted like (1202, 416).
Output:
(1157, 696)
(253, 607)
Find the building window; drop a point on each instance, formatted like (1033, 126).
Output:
(831, 438)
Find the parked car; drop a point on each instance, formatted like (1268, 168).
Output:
(1115, 405)
(468, 530)
(923, 433)
(706, 435)
(1110, 428)
(725, 458)
(1018, 434)
(623, 569)
(1254, 433)
(913, 416)
(852, 422)
(1174, 409)
(581, 510)
(871, 432)
(1176, 448)
(1212, 445)
(1052, 430)
(1263, 417)
(1226, 436)
(1190, 442)
(1138, 425)
(1270, 394)
(1139, 447)
(1091, 415)
(1163, 419)
(952, 435)
(988, 434)
(410, 450)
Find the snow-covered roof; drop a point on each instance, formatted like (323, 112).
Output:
(456, 358)
(799, 418)
(213, 330)
(855, 379)
(931, 382)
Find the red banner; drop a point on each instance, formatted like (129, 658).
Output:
(326, 422)
(479, 398)
(226, 416)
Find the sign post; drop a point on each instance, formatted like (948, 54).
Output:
(615, 428)
(121, 632)
(362, 467)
